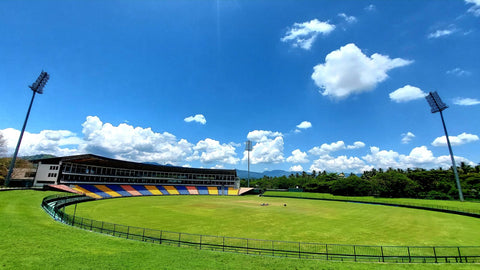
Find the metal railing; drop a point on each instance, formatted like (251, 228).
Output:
(364, 253)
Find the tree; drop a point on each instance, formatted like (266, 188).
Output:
(395, 185)
(351, 186)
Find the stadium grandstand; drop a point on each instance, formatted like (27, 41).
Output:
(102, 177)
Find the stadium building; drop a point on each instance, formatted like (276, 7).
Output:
(103, 177)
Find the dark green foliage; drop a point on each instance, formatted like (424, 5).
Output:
(393, 183)
(351, 186)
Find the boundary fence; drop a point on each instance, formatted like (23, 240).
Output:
(54, 205)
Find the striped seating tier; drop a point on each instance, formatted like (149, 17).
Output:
(113, 191)
(142, 189)
(119, 190)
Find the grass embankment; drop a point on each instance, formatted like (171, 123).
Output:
(466, 206)
(33, 240)
(301, 220)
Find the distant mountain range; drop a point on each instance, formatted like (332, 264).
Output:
(275, 173)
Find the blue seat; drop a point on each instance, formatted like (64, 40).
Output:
(202, 190)
(182, 190)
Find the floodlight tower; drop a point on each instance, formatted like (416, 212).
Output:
(248, 148)
(37, 87)
(437, 105)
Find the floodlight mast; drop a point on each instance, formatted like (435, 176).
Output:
(248, 148)
(437, 105)
(37, 87)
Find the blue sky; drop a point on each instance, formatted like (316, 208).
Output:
(316, 85)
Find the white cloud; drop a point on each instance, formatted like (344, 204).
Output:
(475, 9)
(441, 33)
(298, 157)
(55, 142)
(348, 71)
(407, 137)
(268, 147)
(296, 168)
(349, 19)
(199, 118)
(133, 143)
(339, 164)
(407, 93)
(325, 148)
(419, 157)
(209, 151)
(304, 34)
(356, 145)
(466, 101)
(262, 135)
(270, 151)
(304, 125)
(463, 138)
(458, 72)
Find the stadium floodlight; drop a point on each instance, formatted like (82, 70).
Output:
(37, 87)
(437, 105)
(248, 148)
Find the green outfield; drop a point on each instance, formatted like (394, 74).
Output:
(466, 206)
(301, 220)
(31, 239)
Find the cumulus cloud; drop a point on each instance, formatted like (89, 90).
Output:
(304, 34)
(298, 157)
(199, 118)
(419, 157)
(304, 125)
(407, 93)
(268, 147)
(407, 137)
(296, 168)
(209, 151)
(262, 135)
(133, 143)
(475, 9)
(463, 138)
(325, 148)
(339, 164)
(441, 33)
(349, 19)
(348, 71)
(55, 142)
(466, 101)
(458, 72)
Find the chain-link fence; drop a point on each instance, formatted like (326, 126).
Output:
(400, 254)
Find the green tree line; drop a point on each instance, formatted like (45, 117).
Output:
(391, 183)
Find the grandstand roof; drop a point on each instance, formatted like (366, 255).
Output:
(90, 159)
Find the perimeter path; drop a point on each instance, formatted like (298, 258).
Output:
(471, 209)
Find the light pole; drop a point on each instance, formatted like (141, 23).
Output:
(437, 105)
(37, 87)
(248, 148)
